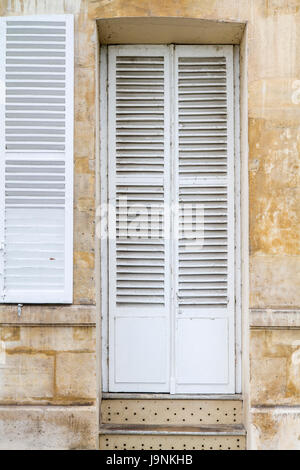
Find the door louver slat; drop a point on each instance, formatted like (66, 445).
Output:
(139, 105)
(135, 251)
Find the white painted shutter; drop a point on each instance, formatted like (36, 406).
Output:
(36, 159)
(138, 153)
(204, 172)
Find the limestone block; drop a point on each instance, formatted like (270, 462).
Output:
(48, 428)
(76, 375)
(275, 429)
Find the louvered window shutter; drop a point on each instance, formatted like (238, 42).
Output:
(36, 159)
(204, 169)
(139, 146)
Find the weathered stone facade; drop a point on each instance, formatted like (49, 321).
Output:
(50, 369)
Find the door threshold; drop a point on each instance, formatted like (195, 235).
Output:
(168, 396)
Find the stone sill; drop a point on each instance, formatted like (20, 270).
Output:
(49, 315)
(275, 318)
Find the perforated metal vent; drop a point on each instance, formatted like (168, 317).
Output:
(171, 412)
(157, 442)
(35, 85)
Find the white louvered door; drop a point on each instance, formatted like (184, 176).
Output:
(36, 164)
(139, 259)
(204, 169)
(171, 272)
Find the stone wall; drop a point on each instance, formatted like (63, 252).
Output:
(48, 386)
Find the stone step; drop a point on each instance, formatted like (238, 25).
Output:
(197, 411)
(151, 437)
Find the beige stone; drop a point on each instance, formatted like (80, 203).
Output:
(48, 428)
(84, 277)
(85, 95)
(268, 380)
(275, 429)
(274, 281)
(275, 367)
(52, 339)
(76, 375)
(25, 378)
(44, 315)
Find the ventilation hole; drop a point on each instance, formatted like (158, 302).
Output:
(155, 414)
(183, 408)
(126, 408)
(134, 414)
